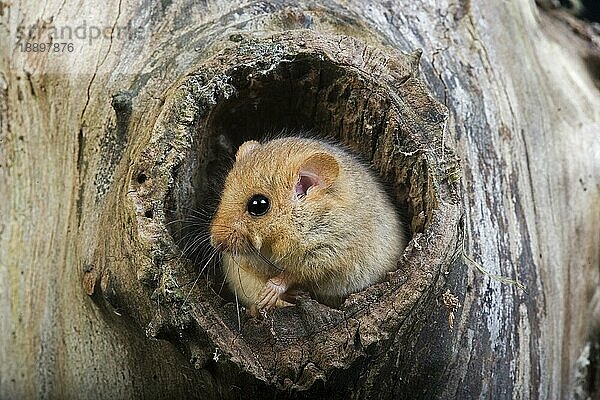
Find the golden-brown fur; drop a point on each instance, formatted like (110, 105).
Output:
(340, 237)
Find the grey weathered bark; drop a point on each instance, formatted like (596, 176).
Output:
(78, 130)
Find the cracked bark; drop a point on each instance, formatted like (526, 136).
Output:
(523, 118)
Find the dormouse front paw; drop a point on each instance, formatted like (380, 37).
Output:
(273, 290)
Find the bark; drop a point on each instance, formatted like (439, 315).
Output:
(102, 148)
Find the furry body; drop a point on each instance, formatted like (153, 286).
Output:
(330, 229)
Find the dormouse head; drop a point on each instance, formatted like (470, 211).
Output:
(271, 193)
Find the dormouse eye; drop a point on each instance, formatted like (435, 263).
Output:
(258, 205)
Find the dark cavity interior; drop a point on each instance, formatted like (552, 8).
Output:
(308, 95)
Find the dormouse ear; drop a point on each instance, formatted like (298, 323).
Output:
(246, 148)
(317, 171)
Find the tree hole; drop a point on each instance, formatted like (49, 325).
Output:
(298, 82)
(306, 96)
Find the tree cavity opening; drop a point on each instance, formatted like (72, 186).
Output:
(366, 98)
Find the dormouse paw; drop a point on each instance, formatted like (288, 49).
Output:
(272, 291)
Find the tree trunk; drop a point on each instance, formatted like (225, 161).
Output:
(103, 145)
